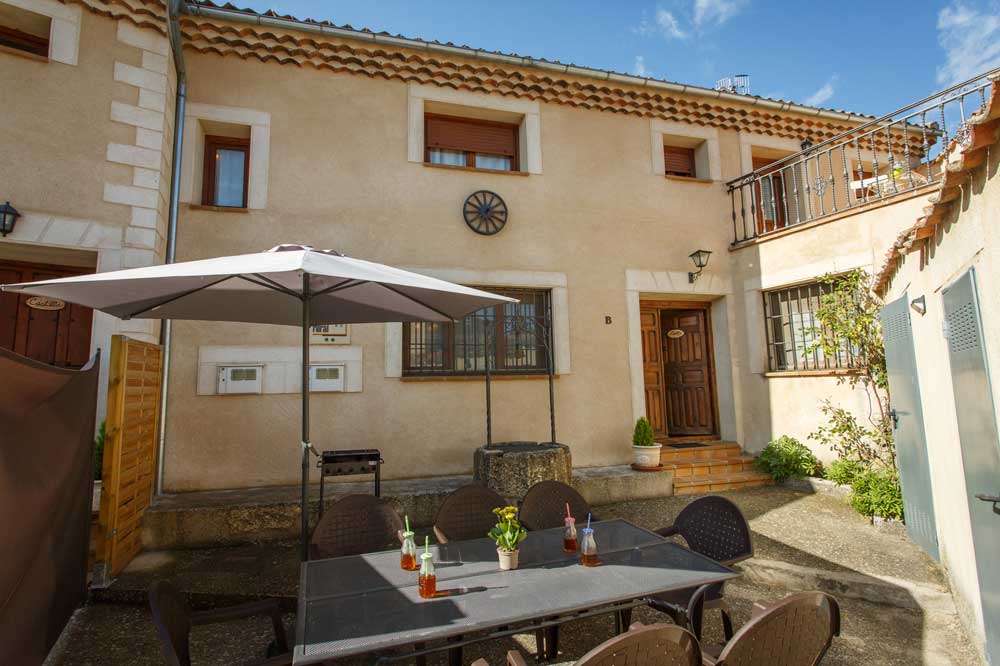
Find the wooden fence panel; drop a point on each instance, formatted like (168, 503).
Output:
(129, 449)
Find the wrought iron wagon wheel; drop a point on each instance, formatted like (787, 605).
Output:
(485, 212)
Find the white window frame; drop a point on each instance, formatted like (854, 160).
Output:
(529, 132)
(704, 140)
(64, 28)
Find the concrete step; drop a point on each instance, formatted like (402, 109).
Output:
(720, 481)
(701, 468)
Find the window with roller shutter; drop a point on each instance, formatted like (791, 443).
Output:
(470, 142)
(678, 161)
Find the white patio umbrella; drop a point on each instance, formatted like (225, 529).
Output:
(293, 285)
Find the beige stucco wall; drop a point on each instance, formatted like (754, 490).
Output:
(786, 403)
(86, 140)
(968, 239)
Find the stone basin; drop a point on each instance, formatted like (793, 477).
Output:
(510, 468)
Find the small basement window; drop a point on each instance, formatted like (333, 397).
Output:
(243, 379)
(470, 142)
(227, 171)
(25, 31)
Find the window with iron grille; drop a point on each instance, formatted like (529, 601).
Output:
(512, 336)
(791, 329)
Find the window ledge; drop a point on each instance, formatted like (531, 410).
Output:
(469, 378)
(219, 209)
(812, 373)
(23, 54)
(689, 179)
(451, 167)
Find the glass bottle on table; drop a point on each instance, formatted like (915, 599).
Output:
(408, 553)
(427, 582)
(569, 535)
(588, 548)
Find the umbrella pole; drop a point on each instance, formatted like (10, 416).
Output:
(306, 299)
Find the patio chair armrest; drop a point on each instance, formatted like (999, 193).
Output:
(515, 658)
(667, 531)
(269, 607)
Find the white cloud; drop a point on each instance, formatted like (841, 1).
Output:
(822, 95)
(639, 69)
(664, 23)
(715, 12)
(970, 38)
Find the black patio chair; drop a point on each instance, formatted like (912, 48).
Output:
(715, 527)
(173, 619)
(544, 505)
(354, 525)
(467, 513)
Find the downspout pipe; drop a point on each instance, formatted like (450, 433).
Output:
(174, 33)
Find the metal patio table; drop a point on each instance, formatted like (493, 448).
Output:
(366, 604)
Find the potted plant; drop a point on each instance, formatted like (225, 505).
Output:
(508, 533)
(645, 450)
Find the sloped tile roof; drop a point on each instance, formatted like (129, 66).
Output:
(954, 164)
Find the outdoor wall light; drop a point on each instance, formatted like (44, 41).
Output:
(700, 259)
(806, 144)
(8, 215)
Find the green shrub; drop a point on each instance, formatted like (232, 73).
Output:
(843, 471)
(877, 493)
(643, 433)
(787, 457)
(99, 452)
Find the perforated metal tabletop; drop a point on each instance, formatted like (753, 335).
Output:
(367, 604)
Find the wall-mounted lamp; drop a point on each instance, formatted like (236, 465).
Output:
(919, 305)
(700, 259)
(8, 215)
(806, 144)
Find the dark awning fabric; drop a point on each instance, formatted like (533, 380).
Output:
(46, 481)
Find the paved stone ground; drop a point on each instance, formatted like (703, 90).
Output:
(808, 530)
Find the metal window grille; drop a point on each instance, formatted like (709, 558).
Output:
(511, 336)
(792, 331)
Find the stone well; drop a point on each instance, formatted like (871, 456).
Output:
(510, 468)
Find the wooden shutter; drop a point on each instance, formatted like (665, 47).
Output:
(470, 135)
(678, 161)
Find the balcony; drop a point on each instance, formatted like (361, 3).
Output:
(884, 159)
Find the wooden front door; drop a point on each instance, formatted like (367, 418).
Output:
(687, 371)
(652, 370)
(45, 330)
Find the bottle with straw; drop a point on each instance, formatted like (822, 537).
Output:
(427, 582)
(408, 551)
(569, 534)
(588, 547)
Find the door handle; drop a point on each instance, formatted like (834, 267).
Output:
(994, 499)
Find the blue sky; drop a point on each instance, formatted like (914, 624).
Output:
(870, 57)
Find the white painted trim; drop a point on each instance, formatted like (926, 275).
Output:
(708, 160)
(282, 365)
(194, 146)
(529, 132)
(676, 283)
(555, 282)
(64, 28)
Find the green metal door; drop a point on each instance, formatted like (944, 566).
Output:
(977, 429)
(908, 426)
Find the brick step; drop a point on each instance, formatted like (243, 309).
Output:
(715, 482)
(700, 468)
(720, 450)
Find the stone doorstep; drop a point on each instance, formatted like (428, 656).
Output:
(719, 450)
(230, 517)
(715, 482)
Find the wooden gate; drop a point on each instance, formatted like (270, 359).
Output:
(129, 450)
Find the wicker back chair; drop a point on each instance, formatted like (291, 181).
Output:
(544, 505)
(652, 645)
(467, 513)
(354, 525)
(173, 619)
(715, 527)
(796, 631)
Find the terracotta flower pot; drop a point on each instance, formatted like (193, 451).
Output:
(508, 559)
(646, 456)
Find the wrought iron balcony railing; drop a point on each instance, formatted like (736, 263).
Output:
(876, 161)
